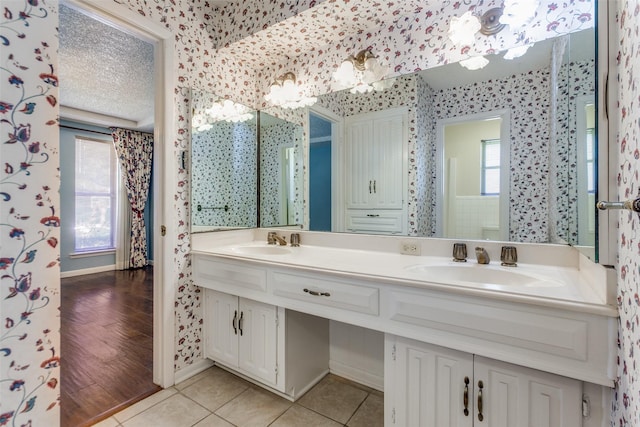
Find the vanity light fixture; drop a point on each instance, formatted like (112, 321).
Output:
(362, 73)
(474, 63)
(286, 93)
(518, 13)
(516, 52)
(223, 110)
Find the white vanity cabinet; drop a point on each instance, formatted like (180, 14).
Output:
(242, 335)
(375, 168)
(432, 386)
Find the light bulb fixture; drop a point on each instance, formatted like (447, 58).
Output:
(286, 93)
(474, 63)
(462, 30)
(518, 13)
(516, 52)
(223, 110)
(362, 73)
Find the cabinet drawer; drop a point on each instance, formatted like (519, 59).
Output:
(361, 299)
(375, 221)
(225, 277)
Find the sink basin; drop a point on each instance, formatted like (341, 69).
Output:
(482, 275)
(262, 250)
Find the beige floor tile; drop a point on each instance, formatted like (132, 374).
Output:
(189, 381)
(145, 404)
(176, 411)
(215, 389)
(109, 422)
(297, 416)
(254, 407)
(370, 413)
(213, 421)
(334, 398)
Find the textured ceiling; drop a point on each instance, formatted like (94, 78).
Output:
(104, 70)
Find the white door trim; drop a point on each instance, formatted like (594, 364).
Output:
(164, 172)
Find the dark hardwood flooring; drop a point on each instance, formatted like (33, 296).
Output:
(106, 322)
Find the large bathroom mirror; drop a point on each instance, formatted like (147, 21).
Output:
(224, 147)
(529, 179)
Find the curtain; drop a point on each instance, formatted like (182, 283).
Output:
(123, 226)
(134, 150)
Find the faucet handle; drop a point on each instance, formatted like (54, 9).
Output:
(482, 255)
(509, 256)
(295, 239)
(460, 252)
(271, 238)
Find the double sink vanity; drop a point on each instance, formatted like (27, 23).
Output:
(464, 343)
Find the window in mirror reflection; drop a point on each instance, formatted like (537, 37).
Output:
(586, 123)
(472, 179)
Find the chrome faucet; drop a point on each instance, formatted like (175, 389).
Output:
(272, 238)
(509, 256)
(482, 255)
(459, 252)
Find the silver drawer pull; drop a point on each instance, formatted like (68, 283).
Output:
(373, 215)
(316, 293)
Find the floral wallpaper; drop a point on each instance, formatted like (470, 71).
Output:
(626, 403)
(29, 215)
(29, 350)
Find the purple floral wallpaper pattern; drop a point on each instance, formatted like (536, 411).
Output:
(626, 404)
(29, 209)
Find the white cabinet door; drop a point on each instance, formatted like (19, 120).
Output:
(513, 396)
(221, 326)
(376, 157)
(426, 385)
(258, 340)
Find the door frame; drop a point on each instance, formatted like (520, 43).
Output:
(505, 164)
(164, 172)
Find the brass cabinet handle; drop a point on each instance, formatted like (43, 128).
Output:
(369, 187)
(235, 320)
(465, 397)
(240, 322)
(316, 293)
(374, 186)
(373, 215)
(480, 387)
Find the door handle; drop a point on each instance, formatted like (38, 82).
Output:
(234, 323)
(480, 387)
(632, 205)
(465, 397)
(240, 322)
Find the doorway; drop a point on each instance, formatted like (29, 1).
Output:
(163, 174)
(473, 196)
(320, 130)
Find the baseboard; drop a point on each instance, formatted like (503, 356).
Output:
(356, 375)
(191, 370)
(82, 272)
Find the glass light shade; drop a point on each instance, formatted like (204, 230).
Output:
(345, 74)
(359, 73)
(517, 13)
(287, 94)
(475, 63)
(462, 30)
(516, 52)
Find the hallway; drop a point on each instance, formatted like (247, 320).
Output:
(107, 345)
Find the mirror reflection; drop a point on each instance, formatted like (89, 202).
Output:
(543, 177)
(224, 148)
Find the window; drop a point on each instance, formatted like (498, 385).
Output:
(490, 180)
(591, 164)
(95, 195)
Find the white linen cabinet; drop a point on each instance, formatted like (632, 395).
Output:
(432, 386)
(376, 171)
(283, 350)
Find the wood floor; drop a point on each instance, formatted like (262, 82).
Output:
(106, 332)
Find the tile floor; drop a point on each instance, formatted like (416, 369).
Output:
(217, 398)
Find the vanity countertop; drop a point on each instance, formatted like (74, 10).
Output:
(567, 287)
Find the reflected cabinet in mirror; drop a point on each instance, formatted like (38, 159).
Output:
(224, 148)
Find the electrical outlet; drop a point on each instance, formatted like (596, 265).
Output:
(410, 247)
